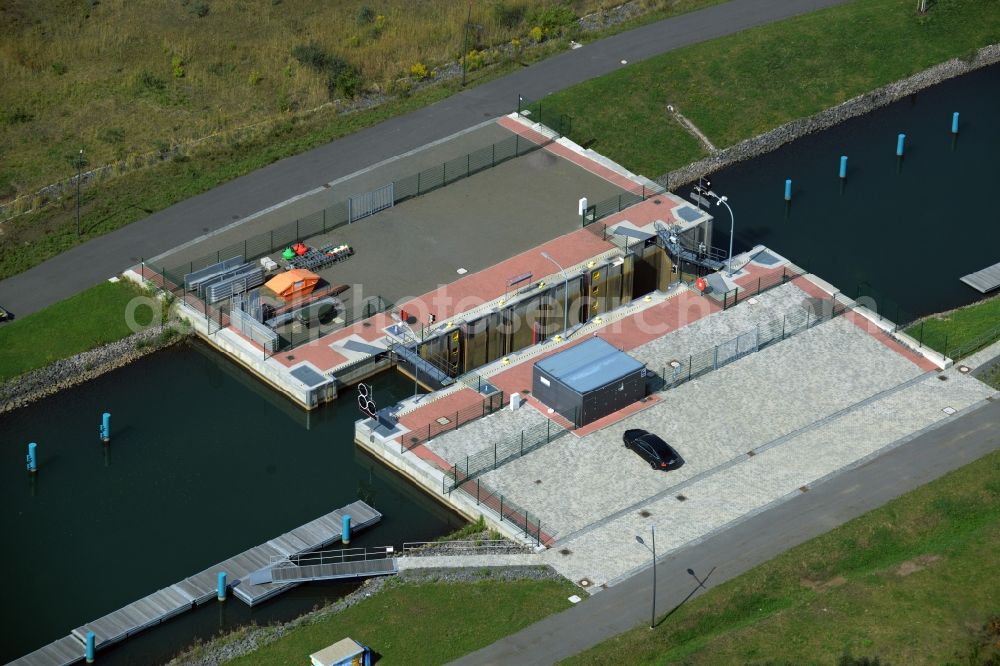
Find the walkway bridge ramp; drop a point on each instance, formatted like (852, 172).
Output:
(328, 565)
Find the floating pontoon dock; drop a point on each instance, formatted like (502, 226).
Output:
(985, 280)
(200, 588)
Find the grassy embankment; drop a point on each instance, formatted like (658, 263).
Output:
(914, 582)
(736, 87)
(92, 318)
(122, 79)
(960, 332)
(424, 623)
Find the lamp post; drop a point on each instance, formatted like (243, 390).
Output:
(565, 291)
(652, 530)
(79, 166)
(722, 201)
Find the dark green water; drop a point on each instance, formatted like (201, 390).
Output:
(910, 229)
(204, 463)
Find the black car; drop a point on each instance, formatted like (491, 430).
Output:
(652, 449)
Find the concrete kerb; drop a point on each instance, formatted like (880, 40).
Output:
(860, 462)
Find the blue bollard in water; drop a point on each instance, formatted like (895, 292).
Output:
(954, 123)
(900, 142)
(788, 189)
(345, 529)
(105, 427)
(91, 639)
(220, 587)
(843, 166)
(32, 458)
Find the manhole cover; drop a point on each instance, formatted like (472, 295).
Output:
(751, 454)
(963, 369)
(675, 364)
(657, 202)
(943, 378)
(682, 498)
(366, 324)
(538, 481)
(584, 582)
(949, 410)
(290, 357)
(565, 551)
(804, 489)
(645, 514)
(444, 420)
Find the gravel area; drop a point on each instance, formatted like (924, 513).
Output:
(574, 482)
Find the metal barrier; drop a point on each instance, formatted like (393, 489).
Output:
(489, 405)
(457, 548)
(369, 203)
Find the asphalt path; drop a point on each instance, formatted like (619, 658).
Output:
(751, 542)
(100, 258)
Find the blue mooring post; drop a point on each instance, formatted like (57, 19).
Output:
(345, 529)
(90, 647)
(220, 587)
(105, 427)
(788, 189)
(843, 166)
(900, 142)
(32, 458)
(954, 123)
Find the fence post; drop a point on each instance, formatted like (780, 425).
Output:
(783, 318)
(456, 422)
(501, 508)
(548, 431)
(468, 164)
(538, 533)
(418, 182)
(493, 158)
(945, 352)
(525, 522)
(324, 220)
(522, 442)
(428, 432)
(517, 144)
(477, 492)
(494, 454)
(271, 244)
(920, 339)
(444, 173)
(690, 360)
(758, 286)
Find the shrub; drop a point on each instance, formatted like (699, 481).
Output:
(146, 81)
(551, 19)
(341, 76)
(199, 9)
(507, 17)
(254, 77)
(474, 60)
(366, 15)
(177, 65)
(311, 55)
(18, 116)
(419, 71)
(59, 68)
(536, 34)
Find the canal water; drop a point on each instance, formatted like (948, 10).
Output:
(909, 228)
(204, 462)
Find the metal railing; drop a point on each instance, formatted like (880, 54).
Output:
(615, 204)
(506, 510)
(334, 556)
(455, 548)
(734, 296)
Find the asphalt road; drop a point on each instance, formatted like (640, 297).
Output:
(100, 258)
(756, 540)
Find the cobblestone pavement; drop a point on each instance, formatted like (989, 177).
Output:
(573, 482)
(719, 327)
(480, 434)
(465, 561)
(608, 552)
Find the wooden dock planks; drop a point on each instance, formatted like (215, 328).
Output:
(201, 587)
(985, 280)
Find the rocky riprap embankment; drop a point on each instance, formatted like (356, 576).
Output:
(85, 366)
(860, 105)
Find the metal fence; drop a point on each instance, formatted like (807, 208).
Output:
(466, 547)
(489, 405)
(546, 114)
(734, 296)
(361, 205)
(370, 306)
(680, 371)
(619, 202)
(501, 452)
(505, 510)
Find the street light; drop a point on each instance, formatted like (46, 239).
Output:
(720, 201)
(565, 291)
(652, 530)
(79, 166)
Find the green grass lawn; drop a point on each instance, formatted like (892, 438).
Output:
(424, 623)
(91, 318)
(913, 582)
(962, 331)
(736, 87)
